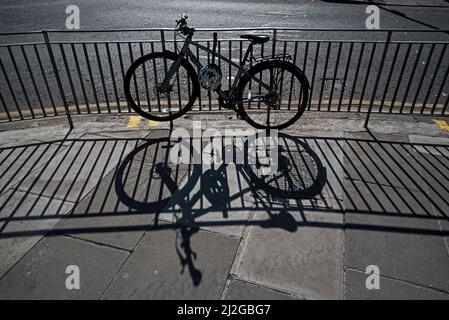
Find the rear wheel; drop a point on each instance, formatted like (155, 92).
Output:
(278, 106)
(143, 87)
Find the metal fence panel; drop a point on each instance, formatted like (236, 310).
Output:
(83, 72)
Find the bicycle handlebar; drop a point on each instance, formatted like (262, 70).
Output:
(181, 25)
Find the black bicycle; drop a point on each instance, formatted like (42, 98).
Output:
(271, 94)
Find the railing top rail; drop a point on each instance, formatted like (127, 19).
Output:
(233, 39)
(21, 44)
(2, 45)
(20, 33)
(224, 30)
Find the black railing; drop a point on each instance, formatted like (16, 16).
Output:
(53, 73)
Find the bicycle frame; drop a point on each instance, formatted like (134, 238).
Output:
(185, 51)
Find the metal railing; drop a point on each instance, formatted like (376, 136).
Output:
(51, 73)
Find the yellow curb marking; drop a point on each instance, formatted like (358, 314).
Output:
(152, 123)
(134, 122)
(442, 124)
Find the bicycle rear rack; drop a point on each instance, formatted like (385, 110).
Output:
(281, 56)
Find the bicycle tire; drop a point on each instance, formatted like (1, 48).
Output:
(168, 55)
(267, 65)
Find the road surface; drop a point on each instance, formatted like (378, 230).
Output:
(24, 15)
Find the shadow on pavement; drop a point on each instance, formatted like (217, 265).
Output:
(300, 175)
(384, 6)
(133, 181)
(385, 3)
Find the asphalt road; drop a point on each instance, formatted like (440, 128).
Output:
(24, 15)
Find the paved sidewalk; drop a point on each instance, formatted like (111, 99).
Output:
(104, 198)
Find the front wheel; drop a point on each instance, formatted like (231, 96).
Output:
(144, 92)
(279, 102)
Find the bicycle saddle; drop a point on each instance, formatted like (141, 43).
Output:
(256, 38)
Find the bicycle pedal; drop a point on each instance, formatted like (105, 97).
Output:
(223, 100)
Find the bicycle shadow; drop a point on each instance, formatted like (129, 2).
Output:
(219, 191)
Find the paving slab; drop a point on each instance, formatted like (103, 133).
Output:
(71, 174)
(381, 161)
(35, 135)
(176, 263)
(158, 133)
(18, 162)
(434, 167)
(319, 122)
(41, 274)
(430, 145)
(241, 290)
(115, 122)
(265, 203)
(329, 150)
(300, 172)
(394, 229)
(212, 200)
(122, 133)
(117, 214)
(329, 154)
(292, 251)
(371, 198)
(390, 289)
(24, 220)
(156, 147)
(102, 218)
(389, 124)
(105, 123)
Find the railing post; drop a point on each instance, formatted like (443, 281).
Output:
(58, 79)
(163, 40)
(379, 73)
(274, 42)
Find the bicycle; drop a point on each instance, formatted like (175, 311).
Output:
(271, 94)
